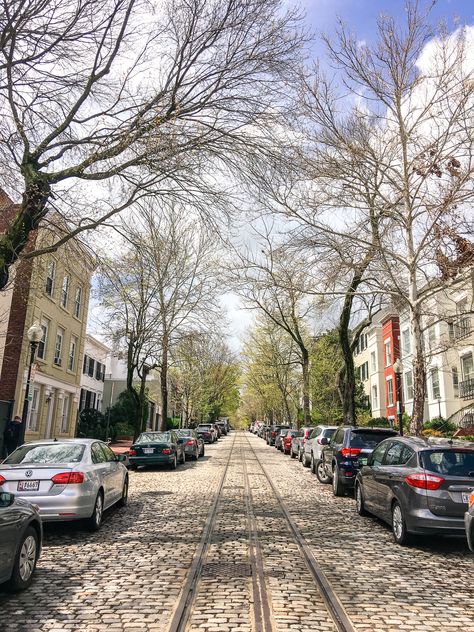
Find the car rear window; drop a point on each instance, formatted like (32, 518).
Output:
(153, 437)
(49, 453)
(204, 428)
(328, 432)
(362, 439)
(450, 462)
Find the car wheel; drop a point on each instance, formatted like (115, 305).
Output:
(399, 528)
(292, 454)
(337, 486)
(133, 467)
(183, 458)
(25, 561)
(304, 460)
(299, 456)
(174, 463)
(202, 451)
(361, 510)
(321, 473)
(95, 521)
(124, 498)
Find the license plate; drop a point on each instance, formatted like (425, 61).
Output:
(465, 497)
(148, 450)
(28, 486)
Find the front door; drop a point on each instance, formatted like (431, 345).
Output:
(50, 401)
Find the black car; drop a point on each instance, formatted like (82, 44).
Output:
(222, 426)
(21, 536)
(193, 444)
(418, 485)
(157, 448)
(206, 433)
(348, 449)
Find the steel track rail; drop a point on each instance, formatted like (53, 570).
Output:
(183, 610)
(331, 600)
(261, 602)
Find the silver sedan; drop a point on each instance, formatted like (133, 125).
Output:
(73, 479)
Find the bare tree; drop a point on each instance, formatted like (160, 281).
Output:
(143, 101)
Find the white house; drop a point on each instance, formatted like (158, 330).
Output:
(93, 374)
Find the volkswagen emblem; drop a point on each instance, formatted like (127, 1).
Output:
(29, 473)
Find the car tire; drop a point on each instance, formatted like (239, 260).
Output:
(337, 486)
(399, 528)
(299, 456)
(292, 454)
(133, 467)
(304, 460)
(196, 455)
(124, 497)
(174, 463)
(25, 561)
(313, 464)
(359, 498)
(202, 451)
(183, 458)
(95, 521)
(321, 473)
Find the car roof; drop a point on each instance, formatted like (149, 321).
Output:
(433, 443)
(54, 442)
(391, 431)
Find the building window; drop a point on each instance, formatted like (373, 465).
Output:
(50, 274)
(90, 369)
(78, 302)
(58, 347)
(373, 362)
(99, 368)
(33, 412)
(361, 344)
(408, 385)
(435, 390)
(364, 371)
(41, 353)
(388, 354)
(467, 367)
(375, 399)
(390, 392)
(431, 337)
(72, 353)
(65, 414)
(455, 378)
(406, 342)
(65, 290)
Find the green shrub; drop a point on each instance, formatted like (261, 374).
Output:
(379, 422)
(440, 425)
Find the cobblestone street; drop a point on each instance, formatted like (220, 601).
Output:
(253, 576)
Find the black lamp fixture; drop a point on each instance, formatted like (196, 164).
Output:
(34, 334)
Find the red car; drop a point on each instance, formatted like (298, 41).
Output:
(286, 441)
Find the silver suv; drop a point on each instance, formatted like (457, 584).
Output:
(312, 447)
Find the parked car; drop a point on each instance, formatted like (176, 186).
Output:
(345, 452)
(469, 522)
(287, 440)
(217, 430)
(273, 432)
(313, 446)
(157, 448)
(222, 426)
(206, 432)
(418, 486)
(193, 444)
(262, 431)
(279, 438)
(21, 536)
(298, 441)
(70, 479)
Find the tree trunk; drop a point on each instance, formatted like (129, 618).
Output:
(346, 378)
(306, 397)
(142, 400)
(134, 396)
(164, 386)
(419, 373)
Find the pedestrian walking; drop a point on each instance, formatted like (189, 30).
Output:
(11, 436)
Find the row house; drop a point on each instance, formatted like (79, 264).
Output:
(93, 374)
(53, 290)
(448, 342)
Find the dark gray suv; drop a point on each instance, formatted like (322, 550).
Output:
(21, 536)
(418, 486)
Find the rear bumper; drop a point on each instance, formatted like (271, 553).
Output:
(422, 521)
(469, 525)
(64, 506)
(155, 459)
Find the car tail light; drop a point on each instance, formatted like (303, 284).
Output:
(132, 453)
(190, 442)
(274, 434)
(424, 481)
(2, 479)
(351, 451)
(166, 451)
(471, 499)
(68, 478)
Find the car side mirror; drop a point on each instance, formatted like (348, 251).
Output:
(325, 441)
(6, 499)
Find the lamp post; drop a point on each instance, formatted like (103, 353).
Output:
(398, 368)
(34, 334)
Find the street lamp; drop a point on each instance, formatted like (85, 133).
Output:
(398, 369)
(35, 334)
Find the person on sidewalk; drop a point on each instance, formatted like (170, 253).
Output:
(11, 436)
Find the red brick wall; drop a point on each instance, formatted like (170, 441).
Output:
(391, 330)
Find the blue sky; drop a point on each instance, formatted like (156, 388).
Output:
(361, 15)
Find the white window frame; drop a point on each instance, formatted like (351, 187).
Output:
(406, 342)
(408, 382)
(390, 399)
(375, 397)
(33, 410)
(78, 302)
(435, 383)
(50, 276)
(373, 362)
(65, 290)
(388, 352)
(45, 323)
(65, 413)
(72, 353)
(58, 348)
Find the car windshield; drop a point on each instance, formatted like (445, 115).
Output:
(450, 462)
(47, 453)
(153, 437)
(361, 439)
